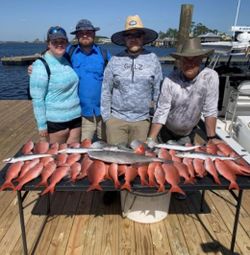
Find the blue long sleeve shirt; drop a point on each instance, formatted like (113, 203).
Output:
(55, 99)
(89, 68)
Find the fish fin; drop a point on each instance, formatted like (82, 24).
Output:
(144, 182)
(152, 183)
(117, 185)
(7, 185)
(234, 185)
(126, 186)
(95, 187)
(177, 189)
(191, 180)
(217, 180)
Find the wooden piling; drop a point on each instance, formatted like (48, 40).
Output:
(185, 24)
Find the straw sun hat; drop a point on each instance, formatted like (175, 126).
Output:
(192, 48)
(134, 23)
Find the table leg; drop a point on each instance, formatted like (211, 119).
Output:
(202, 200)
(20, 205)
(236, 220)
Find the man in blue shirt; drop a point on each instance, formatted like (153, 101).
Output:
(89, 61)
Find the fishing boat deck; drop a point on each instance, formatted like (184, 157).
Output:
(79, 223)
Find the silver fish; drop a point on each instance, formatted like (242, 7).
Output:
(86, 150)
(201, 155)
(121, 157)
(176, 147)
(26, 157)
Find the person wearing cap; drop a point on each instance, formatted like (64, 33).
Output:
(188, 92)
(55, 99)
(131, 84)
(89, 61)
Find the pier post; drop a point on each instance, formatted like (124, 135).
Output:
(184, 26)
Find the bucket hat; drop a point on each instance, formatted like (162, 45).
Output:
(134, 23)
(84, 24)
(192, 48)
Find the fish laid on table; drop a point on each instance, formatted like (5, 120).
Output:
(96, 174)
(11, 174)
(121, 157)
(173, 146)
(203, 156)
(26, 157)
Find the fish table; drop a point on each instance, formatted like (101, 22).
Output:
(206, 183)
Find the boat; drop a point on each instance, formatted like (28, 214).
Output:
(20, 60)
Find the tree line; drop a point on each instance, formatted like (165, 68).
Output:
(195, 30)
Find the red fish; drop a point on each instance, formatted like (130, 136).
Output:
(63, 146)
(28, 147)
(75, 145)
(238, 169)
(33, 173)
(53, 148)
(46, 160)
(75, 169)
(27, 166)
(61, 159)
(41, 147)
(96, 174)
(46, 173)
(172, 177)
(163, 153)
(226, 149)
(199, 167)
(209, 166)
(85, 164)
(130, 175)
(183, 172)
(189, 163)
(227, 174)
(72, 158)
(11, 174)
(174, 158)
(143, 173)
(151, 174)
(86, 143)
(211, 148)
(122, 169)
(56, 177)
(160, 177)
(113, 173)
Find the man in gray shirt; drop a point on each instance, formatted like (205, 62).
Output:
(188, 92)
(131, 84)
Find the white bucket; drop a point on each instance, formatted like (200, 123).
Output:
(145, 207)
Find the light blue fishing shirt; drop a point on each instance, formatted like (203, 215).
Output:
(55, 100)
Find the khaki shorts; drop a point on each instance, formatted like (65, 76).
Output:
(92, 126)
(124, 132)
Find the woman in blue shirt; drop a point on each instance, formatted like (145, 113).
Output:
(55, 97)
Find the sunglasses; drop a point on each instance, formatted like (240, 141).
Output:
(59, 42)
(133, 35)
(55, 30)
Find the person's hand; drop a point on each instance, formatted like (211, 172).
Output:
(29, 69)
(150, 142)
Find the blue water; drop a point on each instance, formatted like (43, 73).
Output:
(14, 80)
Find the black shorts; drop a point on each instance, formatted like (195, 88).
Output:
(57, 126)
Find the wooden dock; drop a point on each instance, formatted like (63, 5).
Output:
(79, 223)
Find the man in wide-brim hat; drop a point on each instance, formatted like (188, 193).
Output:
(131, 83)
(189, 92)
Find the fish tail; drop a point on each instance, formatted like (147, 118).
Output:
(42, 183)
(126, 186)
(50, 188)
(161, 188)
(18, 187)
(95, 186)
(117, 184)
(152, 183)
(190, 180)
(7, 185)
(234, 185)
(217, 180)
(144, 182)
(177, 189)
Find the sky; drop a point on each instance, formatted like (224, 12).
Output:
(26, 20)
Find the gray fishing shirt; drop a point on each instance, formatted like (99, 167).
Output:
(130, 85)
(182, 102)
